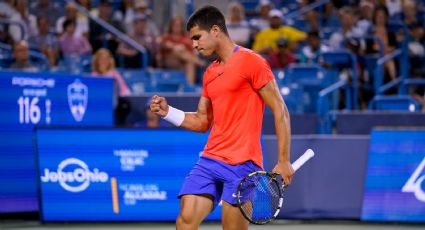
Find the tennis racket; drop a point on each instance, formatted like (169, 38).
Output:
(260, 194)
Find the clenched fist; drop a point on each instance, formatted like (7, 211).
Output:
(159, 106)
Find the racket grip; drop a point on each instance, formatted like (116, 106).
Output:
(302, 159)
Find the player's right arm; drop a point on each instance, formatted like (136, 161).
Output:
(199, 121)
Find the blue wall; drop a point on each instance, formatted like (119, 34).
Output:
(331, 184)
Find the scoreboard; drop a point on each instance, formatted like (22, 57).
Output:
(30, 100)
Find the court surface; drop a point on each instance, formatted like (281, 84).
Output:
(281, 224)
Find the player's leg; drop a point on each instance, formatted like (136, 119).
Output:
(232, 218)
(199, 194)
(193, 210)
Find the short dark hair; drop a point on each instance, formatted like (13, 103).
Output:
(313, 34)
(67, 23)
(206, 17)
(382, 8)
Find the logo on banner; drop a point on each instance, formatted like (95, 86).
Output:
(131, 158)
(74, 175)
(415, 181)
(78, 94)
(139, 192)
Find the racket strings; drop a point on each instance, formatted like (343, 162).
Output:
(261, 200)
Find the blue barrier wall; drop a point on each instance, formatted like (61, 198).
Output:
(347, 123)
(363, 122)
(328, 186)
(114, 174)
(331, 184)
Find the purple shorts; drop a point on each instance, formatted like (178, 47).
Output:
(216, 178)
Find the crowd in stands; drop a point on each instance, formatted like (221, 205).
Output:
(61, 31)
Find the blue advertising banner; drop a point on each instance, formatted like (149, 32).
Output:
(42, 99)
(395, 187)
(114, 174)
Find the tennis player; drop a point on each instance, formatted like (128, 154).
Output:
(236, 87)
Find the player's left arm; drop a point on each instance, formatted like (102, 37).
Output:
(273, 99)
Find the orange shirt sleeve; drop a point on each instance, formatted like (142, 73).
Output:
(258, 71)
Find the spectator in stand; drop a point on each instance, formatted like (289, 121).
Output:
(142, 7)
(100, 37)
(310, 53)
(6, 11)
(103, 64)
(416, 46)
(22, 59)
(176, 50)
(265, 41)
(393, 6)
(410, 14)
(82, 27)
(28, 21)
(144, 37)
(47, 9)
(310, 17)
(365, 10)
(388, 38)
(71, 44)
(237, 26)
(86, 4)
(125, 14)
(262, 22)
(46, 42)
(416, 37)
(347, 30)
(283, 56)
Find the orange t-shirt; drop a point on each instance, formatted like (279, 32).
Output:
(237, 107)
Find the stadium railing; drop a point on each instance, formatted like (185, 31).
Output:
(337, 60)
(328, 101)
(120, 35)
(305, 9)
(378, 78)
(292, 13)
(402, 55)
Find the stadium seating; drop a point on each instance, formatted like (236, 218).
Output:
(168, 80)
(292, 93)
(394, 103)
(158, 80)
(75, 64)
(5, 60)
(138, 80)
(311, 78)
(307, 74)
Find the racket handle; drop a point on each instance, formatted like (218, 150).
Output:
(302, 159)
